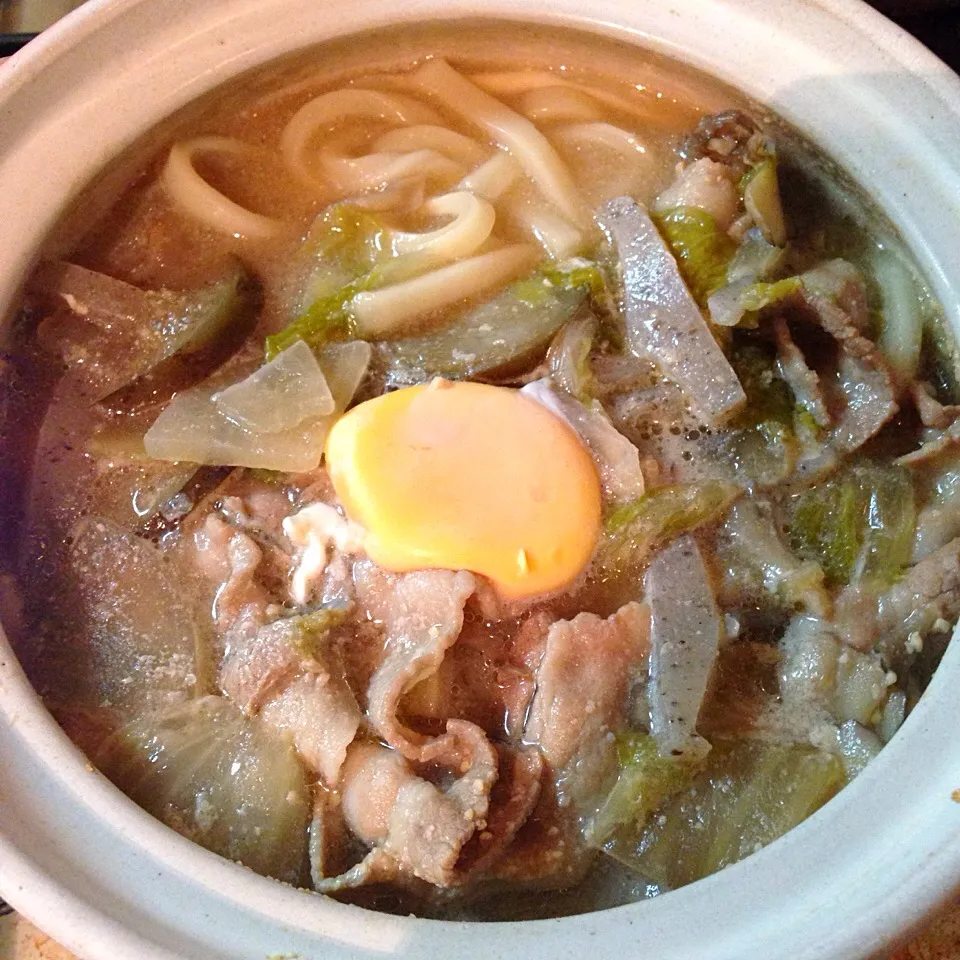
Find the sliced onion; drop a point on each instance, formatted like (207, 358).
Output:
(193, 428)
(280, 395)
(345, 365)
(222, 780)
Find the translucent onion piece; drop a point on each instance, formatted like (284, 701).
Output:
(427, 137)
(685, 632)
(558, 237)
(282, 394)
(512, 131)
(379, 313)
(204, 202)
(224, 781)
(345, 365)
(330, 109)
(493, 178)
(558, 103)
(472, 222)
(192, 428)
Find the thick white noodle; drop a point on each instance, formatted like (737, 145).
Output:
(515, 82)
(347, 176)
(380, 313)
(334, 108)
(558, 237)
(493, 178)
(600, 134)
(402, 196)
(428, 137)
(507, 128)
(194, 196)
(472, 222)
(508, 83)
(557, 104)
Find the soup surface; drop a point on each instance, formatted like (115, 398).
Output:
(483, 471)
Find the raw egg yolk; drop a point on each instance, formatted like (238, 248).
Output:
(466, 476)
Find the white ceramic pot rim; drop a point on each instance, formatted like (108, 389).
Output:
(108, 881)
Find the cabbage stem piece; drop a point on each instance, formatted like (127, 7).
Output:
(504, 334)
(902, 328)
(509, 129)
(663, 320)
(202, 201)
(746, 797)
(379, 313)
(645, 781)
(635, 528)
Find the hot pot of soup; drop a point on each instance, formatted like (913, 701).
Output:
(477, 471)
